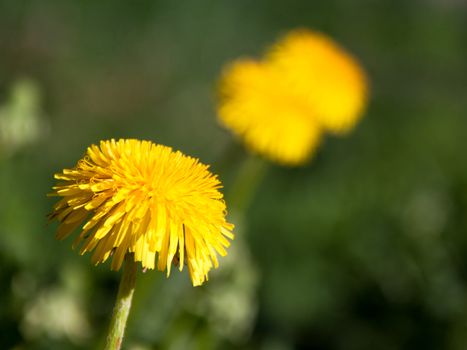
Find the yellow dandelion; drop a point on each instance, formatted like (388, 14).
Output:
(257, 104)
(324, 74)
(142, 198)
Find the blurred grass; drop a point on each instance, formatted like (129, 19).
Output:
(364, 248)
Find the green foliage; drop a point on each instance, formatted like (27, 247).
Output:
(364, 248)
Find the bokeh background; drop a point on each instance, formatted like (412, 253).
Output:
(364, 248)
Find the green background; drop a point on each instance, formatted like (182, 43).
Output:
(363, 248)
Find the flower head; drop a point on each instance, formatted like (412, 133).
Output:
(142, 198)
(326, 75)
(258, 106)
(281, 105)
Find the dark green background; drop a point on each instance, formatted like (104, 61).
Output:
(364, 248)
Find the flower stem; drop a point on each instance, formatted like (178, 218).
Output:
(249, 176)
(122, 304)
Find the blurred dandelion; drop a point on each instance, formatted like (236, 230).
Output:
(257, 105)
(281, 105)
(323, 74)
(144, 200)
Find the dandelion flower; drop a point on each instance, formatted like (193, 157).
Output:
(324, 74)
(142, 198)
(281, 105)
(257, 104)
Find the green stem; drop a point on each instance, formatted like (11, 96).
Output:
(249, 176)
(122, 304)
